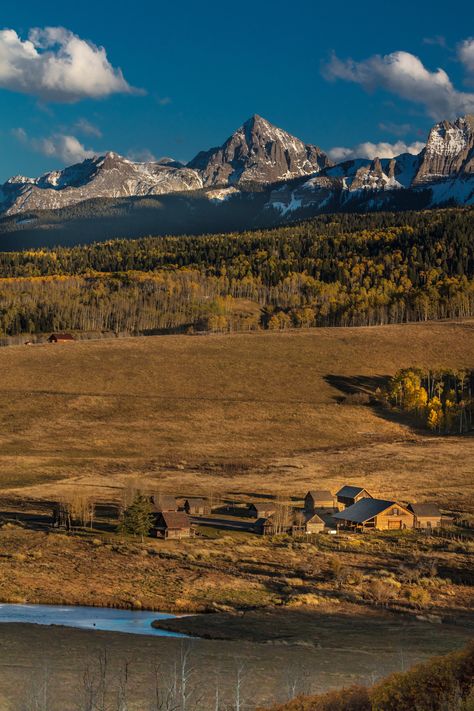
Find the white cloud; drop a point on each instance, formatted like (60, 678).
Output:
(56, 65)
(466, 56)
(87, 128)
(404, 75)
(374, 150)
(67, 148)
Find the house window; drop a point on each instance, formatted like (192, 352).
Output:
(395, 512)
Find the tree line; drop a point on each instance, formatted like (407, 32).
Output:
(441, 400)
(335, 270)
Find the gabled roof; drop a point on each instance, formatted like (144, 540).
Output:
(365, 509)
(164, 502)
(196, 501)
(425, 509)
(315, 519)
(350, 491)
(175, 519)
(320, 494)
(262, 506)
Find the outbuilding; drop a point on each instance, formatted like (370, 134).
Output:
(350, 495)
(426, 515)
(314, 524)
(261, 510)
(375, 514)
(61, 338)
(318, 499)
(163, 502)
(197, 507)
(172, 524)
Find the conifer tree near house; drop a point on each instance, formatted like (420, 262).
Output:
(138, 517)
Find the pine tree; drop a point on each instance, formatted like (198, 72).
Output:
(138, 517)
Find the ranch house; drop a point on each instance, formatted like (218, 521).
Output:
(378, 514)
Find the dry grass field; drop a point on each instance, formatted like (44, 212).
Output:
(243, 413)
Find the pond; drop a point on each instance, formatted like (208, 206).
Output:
(87, 618)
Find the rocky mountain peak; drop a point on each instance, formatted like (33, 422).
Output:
(259, 152)
(449, 150)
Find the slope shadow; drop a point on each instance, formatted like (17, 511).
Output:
(352, 384)
(367, 385)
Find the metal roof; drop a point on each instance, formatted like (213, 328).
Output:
(364, 510)
(425, 509)
(350, 491)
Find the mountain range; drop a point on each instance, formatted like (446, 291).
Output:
(260, 176)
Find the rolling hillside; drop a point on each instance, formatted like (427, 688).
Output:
(217, 412)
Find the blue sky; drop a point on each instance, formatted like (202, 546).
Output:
(193, 72)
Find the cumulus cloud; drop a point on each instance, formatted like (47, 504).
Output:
(466, 56)
(374, 150)
(56, 65)
(68, 149)
(404, 75)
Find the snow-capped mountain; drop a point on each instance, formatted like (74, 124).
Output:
(449, 151)
(258, 152)
(109, 176)
(261, 175)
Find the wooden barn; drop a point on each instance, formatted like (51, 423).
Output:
(172, 524)
(61, 338)
(261, 510)
(375, 514)
(163, 502)
(426, 515)
(197, 507)
(318, 499)
(350, 495)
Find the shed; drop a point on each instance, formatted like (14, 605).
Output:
(163, 502)
(375, 514)
(172, 524)
(426, 515)
(261, 510)
(314, 524)
(264, 526)
(197, 507)
(349, 495)
(318, 499)
(61, 338)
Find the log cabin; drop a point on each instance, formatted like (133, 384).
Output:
(350, 495)
(378, 514)
(426, 515)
